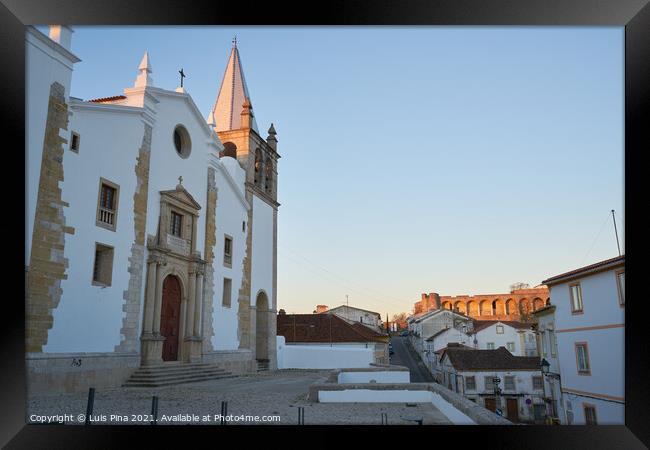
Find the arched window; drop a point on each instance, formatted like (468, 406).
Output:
(268, 177)
(259, 167)
(229, 149)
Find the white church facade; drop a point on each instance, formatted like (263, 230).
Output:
(151, 232)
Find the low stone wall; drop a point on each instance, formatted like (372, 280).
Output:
(238, 362)
(76, 372)
(477, 413)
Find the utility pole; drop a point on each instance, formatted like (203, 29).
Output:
(616, 232)
(347, 302)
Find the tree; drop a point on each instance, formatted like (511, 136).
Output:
(519, 285)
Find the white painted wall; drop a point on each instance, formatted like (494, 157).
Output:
(391, 376)
(357, 315)
(230, 213)
(549, 351)
(606, 346)
(262, 267)
(88, 318)
(510, 334)
(396, 396)
(321, 356)
(45, 63)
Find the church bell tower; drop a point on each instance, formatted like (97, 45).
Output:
(233, 119)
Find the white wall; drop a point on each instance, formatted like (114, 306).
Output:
(89, 318)
(321, 357)
(606, 346)
(510, 334)
(396, 396)
(389, 376)
(230, 214)
(45, 64)
(262, 268)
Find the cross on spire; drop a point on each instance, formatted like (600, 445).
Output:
(182, 76)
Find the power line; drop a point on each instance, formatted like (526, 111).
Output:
(345, 283)
(375, 293)
(595, 240)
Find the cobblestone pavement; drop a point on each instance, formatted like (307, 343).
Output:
(277, 393)
(405, 355)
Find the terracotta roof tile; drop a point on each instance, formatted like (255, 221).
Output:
(108, 99)
(323, 328)
(499, 359)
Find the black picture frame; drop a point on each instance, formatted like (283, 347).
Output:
(634, 15)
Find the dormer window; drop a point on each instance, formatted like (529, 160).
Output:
(176, 224)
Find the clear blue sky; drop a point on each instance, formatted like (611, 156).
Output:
(454, 160)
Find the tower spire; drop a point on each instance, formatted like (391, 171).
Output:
(233, 94)
(144, 72)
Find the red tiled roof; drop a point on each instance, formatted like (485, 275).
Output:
(108, 99)
(499, 359)
(585, 269)
(483, 324)
(323, 328)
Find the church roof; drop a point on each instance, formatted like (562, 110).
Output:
(233, 92)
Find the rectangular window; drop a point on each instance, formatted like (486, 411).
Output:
(510, 346)
(227, 251)
(499, 329)
(538, 383)
(590, 414)
(470, 384)
(227, 288)
(489, 383)
(490, 345)
(107, 204)
(582, 358)
(74, 142)
(576, 298)
(103, 265)
(176, 224)
(509, 383)
(620, 283)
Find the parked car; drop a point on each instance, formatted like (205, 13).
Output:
(404, 333)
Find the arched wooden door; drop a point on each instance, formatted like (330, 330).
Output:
(170, 317)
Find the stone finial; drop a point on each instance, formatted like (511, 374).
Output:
(271, 139)
(144, 76)
(246, 114)
(179, 186)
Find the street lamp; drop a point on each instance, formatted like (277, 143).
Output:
(545, 366)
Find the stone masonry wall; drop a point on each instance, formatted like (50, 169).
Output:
(133, 295)
(47, 263)
(210, 242)
(244, 297)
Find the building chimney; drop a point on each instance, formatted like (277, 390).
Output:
(62, 35)
(321, 309)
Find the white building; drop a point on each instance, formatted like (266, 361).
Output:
(425, 325)
(547, 349)
(352, 314)
(517, 337)
(590, 329)
(496, 380)
(151, 232)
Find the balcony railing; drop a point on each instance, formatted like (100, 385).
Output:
(107, 216)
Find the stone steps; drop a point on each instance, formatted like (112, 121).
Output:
(262, 365)
(170, 374)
